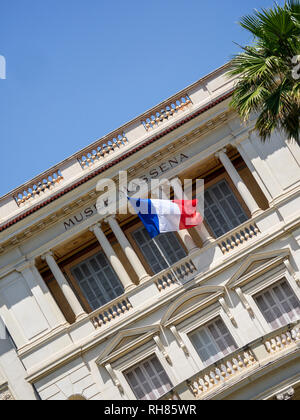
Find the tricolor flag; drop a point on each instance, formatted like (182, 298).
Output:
(160, 216)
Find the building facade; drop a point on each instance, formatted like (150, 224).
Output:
(92, 310)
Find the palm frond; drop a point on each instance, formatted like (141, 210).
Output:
(264, 70)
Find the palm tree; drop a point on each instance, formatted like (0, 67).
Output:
(267, 84)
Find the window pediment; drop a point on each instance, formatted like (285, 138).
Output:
(255, 265)
(126, 341)
(190, 303)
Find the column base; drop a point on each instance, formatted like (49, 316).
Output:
(129, 288)
(144, 278)
(193, 250)
(256, 212)
(81, 316)
(208, 241)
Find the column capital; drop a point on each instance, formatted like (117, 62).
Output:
(110, 217)
(220, 152)
(48, 253)
(27, 263)
(94, 227)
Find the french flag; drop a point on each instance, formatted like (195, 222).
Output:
(159, 216)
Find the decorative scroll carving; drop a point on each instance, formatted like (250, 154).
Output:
(114, 378)
(227, 311)
(244, 301)
(291, 271)
(5, 395)
(179, 340)
(162, 349)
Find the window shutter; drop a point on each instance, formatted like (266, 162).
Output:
(213, 341)
(278, 304)
(148, 379)
(169, 244)
(97, 280)
(222, 210)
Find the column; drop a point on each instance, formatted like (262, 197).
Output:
(112, 257)
(64, 285)
(238, 182)
(42, 294)
(201, 229)
(183, 233)
(127, 248)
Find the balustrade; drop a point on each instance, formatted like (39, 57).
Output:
(101, 150)
(224, 370)
(110, 312)
(283, 340)
(241, 235)
(38, 188)
(164, 114)
(169, 277)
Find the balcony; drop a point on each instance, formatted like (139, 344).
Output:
(235, 370)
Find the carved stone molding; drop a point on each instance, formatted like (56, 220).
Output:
(114, 378)
(5, 395)
(286, 394)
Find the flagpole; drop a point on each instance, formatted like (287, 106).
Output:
(161, 252)
(166, 260)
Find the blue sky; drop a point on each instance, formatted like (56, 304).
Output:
(77, 69)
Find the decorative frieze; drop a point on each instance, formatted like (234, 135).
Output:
(101, 150)
(38, 188)
(161, 115)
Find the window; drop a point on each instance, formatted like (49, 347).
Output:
(169, 244)
(97, 280)
(278, 304)
(222, 210)
(213, 341)
(148, 380)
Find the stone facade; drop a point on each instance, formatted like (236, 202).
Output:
(69, 344)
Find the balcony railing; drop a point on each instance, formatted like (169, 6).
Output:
(212, 378)
(110, 312)
(239, 236)
(238, 365)
(182, 270)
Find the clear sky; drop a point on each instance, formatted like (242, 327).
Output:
(77, 69)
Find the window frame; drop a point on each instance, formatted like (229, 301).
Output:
(68, 269)
(144, 360)
(129, 234)
(224, 176)
(236, 195)
(213, 340)
(136, 356)
(200, 319)
(261, 284)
